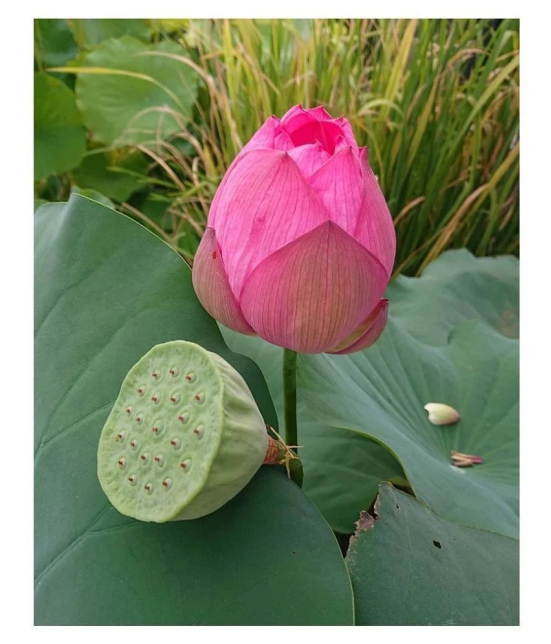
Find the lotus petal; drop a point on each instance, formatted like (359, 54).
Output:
(367, 333)
(212, 287)
(312, 293)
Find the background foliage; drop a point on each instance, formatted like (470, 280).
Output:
(167, 104)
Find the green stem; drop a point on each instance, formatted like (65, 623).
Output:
(290, 396)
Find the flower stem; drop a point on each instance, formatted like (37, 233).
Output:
(290, 396)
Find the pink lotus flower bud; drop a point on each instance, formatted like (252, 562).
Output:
(300, 244)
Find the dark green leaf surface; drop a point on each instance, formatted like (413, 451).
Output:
(59, 136)
(382, 391)
(415, 568)
(107, 290)
(116, 179)
(54, 44)
(454, 288)
(342, 468)
(140, 92)
(90, 32)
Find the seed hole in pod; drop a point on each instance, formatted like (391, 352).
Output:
(120, 437)
(122, 463)
(141, 390)
(139, 419)
(174, 372)
(199, 431)
(200, 397)
(183, 417)
(155, 398)
(134, 443)
(185, 465)
(144, 459)
(175, 398)
(176, 442)
(167, 484)
(128, 410)
(191, 377)
(157, 427)
(156, 374)
(159, 459)
(148, 487)
(132, 479)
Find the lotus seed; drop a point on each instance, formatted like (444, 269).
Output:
(167, 484)
(132, 479)
(122, 463)
(148, 487)
(175, 398)
(159, 460)
(200, 398)
(128, 410)
(156, 374)
(191, 377)
(174, 371)
(186, 465)
(133, 444)
(155, 398)
(145, 458)
(176, 442)
(141, 390)
(120, 437)
(139, 418)
(199, 431)
(183, 418)
(157, 427)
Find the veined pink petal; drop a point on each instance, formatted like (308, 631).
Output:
(366, 333)
(375, 228)
(296, 110)
(263, 205)
(339, 185)
(283, 141)
(264, 137)
(212, 287)
(348, 132)
(313, 292)
(309, 158)
(321, 114)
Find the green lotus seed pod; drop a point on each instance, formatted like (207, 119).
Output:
(183, 438)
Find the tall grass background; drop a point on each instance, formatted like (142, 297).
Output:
(435, 101)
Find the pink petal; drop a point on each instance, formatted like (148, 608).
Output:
(320, 113)
(339, 185)
(212, 287)
(348, 132)
(263, 205)
(303, 127)
(309, 158)
(264, 137)
(375, 228)
(312, 293)
(367, 333)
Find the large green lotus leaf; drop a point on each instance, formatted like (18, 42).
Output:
(106, 174)
(382, 391)
(457, 287)
(129, 92)
(91, 31)
(107, 290)
(411, 567)
(342, 468)
(59, 136)
(53, 42)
